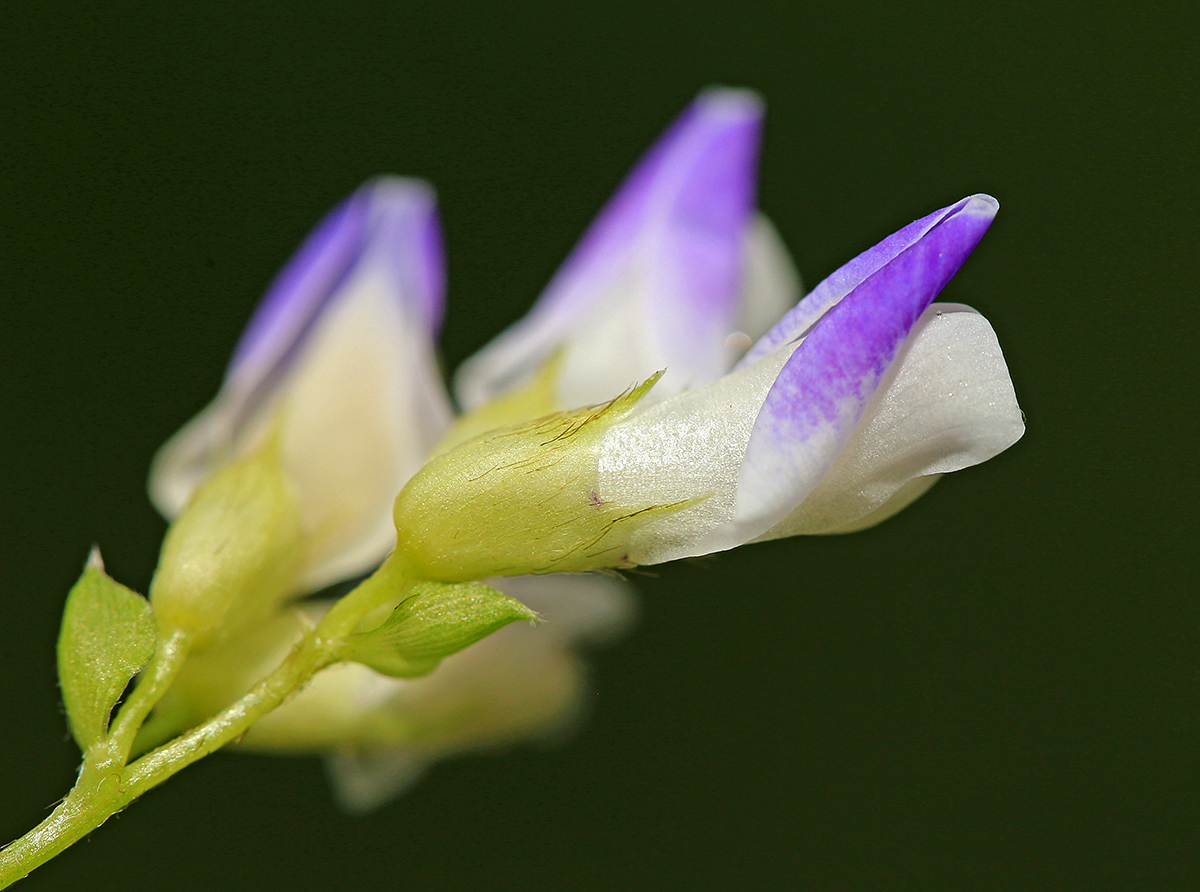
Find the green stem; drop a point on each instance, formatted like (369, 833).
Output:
(168, 659)
(106, 785)
(383, 587)
(86, 807)
(308, 658)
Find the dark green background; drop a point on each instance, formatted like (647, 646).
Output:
(995, 690)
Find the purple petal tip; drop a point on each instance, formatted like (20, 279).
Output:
(801, 318)
(818, 398)
(409, 235)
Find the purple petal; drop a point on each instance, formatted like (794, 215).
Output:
(673, 233)
(826, 295)
(816, 402)
(388, 221)
(697, 185)
(704, 240)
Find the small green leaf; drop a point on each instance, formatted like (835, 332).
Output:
(108, 635)
(433, 622)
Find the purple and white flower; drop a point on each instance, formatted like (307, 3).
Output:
(772, 418)
(842, 414)
(677, 273)
(340, 356)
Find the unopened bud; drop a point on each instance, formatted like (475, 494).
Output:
(233, 554)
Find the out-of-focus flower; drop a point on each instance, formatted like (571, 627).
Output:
(380, 733)
(335, 385)
(338, 362)
(678, 273)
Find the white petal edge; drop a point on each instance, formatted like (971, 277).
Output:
(364, 780)
(770, 287)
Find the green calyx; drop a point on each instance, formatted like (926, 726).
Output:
(521, 499)
(435, 621)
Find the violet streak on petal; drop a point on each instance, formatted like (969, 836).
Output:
(654, 282)
(697, 304)
(818, 398)
(386, 217)
(946, 403)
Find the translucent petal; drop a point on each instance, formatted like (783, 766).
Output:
(690, 446)
(770, 288)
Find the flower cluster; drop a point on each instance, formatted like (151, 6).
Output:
(666, 396)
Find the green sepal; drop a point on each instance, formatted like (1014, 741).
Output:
(108, 635)
(433, 622)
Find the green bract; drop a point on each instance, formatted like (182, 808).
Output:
(108, 635)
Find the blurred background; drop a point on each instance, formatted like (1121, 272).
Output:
(997, 689)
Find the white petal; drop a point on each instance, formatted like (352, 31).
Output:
(947, 403)
(691, 446)
(365, 408)
(363, 780)
(905, 496)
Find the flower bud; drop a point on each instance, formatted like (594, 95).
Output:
(233, 554)
(521, 499)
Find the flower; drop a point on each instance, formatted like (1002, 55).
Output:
(678, 273)
(842, 414)
(339, 358)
